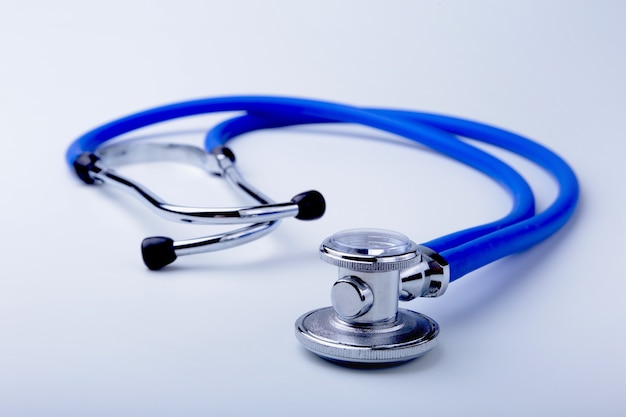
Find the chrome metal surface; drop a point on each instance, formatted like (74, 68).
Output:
(133, 152)
(198, 215)
(385, 289)
(370, 250)
(438, 273)
(377, 268)
(232, 175)
(223, 240)
(407, 337)
(265, 218)
(351, 297)
(269, 211)
(429, 278)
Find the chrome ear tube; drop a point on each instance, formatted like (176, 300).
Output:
(377, 268)
(159, 251)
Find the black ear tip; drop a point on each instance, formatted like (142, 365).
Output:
(311, 205)
(157, 252)
(83, 164)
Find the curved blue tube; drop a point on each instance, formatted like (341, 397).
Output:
(473, 248)
(524, 234)
(523, 199)
(279, 111)
(466, 250)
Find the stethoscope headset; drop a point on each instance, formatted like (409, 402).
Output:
(377, 268)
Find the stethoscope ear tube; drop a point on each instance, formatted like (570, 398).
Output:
(469, 249)
(159, 251)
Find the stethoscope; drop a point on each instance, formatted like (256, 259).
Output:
(377, 268)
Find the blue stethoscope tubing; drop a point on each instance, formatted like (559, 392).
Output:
(466, 250)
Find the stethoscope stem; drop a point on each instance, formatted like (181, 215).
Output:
(198, 215)
(160, 251)
(223, 240)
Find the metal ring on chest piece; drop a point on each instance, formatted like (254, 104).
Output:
(364, 325)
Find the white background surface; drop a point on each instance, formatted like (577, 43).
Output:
(86, 330)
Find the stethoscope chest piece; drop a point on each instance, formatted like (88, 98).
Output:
(377, 268)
